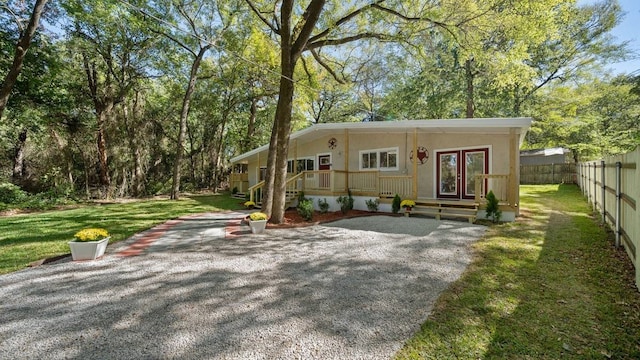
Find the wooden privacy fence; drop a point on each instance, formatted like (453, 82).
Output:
(612, 186)
(548, 174)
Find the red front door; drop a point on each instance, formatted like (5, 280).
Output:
(456, 171)
(324, 165)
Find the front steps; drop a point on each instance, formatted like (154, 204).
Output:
(446, 208)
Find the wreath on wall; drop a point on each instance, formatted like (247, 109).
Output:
(423, 155)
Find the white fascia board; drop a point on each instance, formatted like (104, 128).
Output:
(442, 124)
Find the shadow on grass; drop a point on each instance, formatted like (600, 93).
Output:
(548, 286)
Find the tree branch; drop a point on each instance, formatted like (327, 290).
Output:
(343, 20)
(348, 39)
(262, 18)
(326, 67)
(304, 27)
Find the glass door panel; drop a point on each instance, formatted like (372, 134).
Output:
(448, 175)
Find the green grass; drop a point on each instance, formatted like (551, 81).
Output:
(548, 286)
(30, 237)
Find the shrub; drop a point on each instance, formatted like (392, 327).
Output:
(346, 202)
(372, 204)
(234, 190)
(301, 196)
(323, 205)
(395, 205)
(11, 194)
(305, 209)
(493, 208)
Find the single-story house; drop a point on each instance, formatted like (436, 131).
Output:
(451, 163)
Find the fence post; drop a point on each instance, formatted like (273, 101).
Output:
(604, 193)
(553, 173)
(595, 186)
(618, 201)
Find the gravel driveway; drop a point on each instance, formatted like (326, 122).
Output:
(352, 289)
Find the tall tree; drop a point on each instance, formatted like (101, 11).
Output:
(194, 27)
(302, 28)
(24, 41)
(112, 45)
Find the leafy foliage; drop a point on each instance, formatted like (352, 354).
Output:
(323, 205)
(11, 194)
(395, 204)
(372, 204)
(305, 209)
(493, 207)
(346, 202)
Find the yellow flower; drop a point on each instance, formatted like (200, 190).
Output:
(258, 216)
(91, 234)
(407, 203)
(249, 204)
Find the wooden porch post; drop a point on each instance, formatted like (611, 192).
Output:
(295, 156)
(346, 157)
(414, 193)
(513, 193)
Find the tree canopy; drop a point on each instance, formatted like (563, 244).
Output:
(134, 98)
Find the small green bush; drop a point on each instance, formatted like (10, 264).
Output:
(234, 190)
(395, 205)
(11, 194)
(323, 205)
(346, 202)
(493, 207)
(305, 209)
(372, 204)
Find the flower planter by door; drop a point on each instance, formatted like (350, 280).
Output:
(257, 226)
(88, 250)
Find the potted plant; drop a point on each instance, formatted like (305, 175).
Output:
(249, 204)
(89, 244)
(257, 222)
(407, 205)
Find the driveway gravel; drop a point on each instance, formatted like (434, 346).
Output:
(351, 289)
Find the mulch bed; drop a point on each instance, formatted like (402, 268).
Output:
(293, 219)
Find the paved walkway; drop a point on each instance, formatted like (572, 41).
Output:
(186, 232)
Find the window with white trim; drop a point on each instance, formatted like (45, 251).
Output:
(379, 159)
(303, 165)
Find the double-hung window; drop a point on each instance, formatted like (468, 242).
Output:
(379, 159)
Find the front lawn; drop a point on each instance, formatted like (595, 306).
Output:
(549, 286)
(30, 237)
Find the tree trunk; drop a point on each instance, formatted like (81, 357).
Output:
(283, 116)
(132, 123)
(105, 180)
(470, 90)
(251, 127)
(65, 154)
(21, 51)
(18, 158)
(184, 114)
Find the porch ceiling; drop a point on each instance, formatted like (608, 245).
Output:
(448, 126)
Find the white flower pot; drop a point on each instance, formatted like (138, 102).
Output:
(257, 226)
(88, 250)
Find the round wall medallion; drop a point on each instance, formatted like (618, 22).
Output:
(332, 143)
(423, 155)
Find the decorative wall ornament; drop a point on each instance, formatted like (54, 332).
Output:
(332, 143)
(423, 155)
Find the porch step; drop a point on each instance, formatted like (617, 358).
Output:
(445, 208)
(238, 196)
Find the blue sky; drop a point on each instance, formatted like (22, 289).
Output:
(628, 30)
